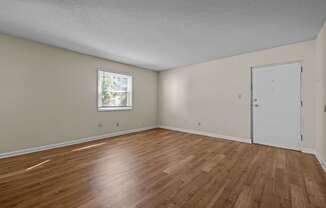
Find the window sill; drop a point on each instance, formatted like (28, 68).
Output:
(114, 109)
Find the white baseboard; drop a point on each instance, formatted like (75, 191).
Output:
(308, 150)
(321, 161)
(72, 142)
(204, 133)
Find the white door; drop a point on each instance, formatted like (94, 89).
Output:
(277, 105)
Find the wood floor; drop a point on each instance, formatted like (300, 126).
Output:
(160, 168)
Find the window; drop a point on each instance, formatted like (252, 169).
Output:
(114, 91)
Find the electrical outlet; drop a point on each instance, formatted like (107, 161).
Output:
(117, 124)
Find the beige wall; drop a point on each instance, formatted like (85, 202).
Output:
(217, 93)
(321, 93)
(48, 95)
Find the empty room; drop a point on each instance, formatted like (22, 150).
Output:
(162, 104)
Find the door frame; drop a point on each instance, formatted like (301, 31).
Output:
(300, 62)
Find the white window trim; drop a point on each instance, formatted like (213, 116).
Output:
(113, 108)
(103, 109)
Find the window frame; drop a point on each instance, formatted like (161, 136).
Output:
(98, 96)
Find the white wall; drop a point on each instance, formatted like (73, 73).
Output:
(321, 94)
(48, 95)
(217, 93)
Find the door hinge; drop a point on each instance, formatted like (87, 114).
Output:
(301, 137)
(301, 69)
(301, 102)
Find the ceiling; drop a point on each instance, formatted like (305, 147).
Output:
(163, 34)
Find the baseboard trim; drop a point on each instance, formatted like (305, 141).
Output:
(204, 133)
(321, 161)
(309, 151)
(72, 142)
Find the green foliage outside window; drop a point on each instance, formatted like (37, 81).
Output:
(114, 89)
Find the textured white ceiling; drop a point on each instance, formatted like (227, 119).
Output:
(163, 34)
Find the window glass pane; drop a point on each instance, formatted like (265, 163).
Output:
(115, 99)
(116, 83)
(114, 90)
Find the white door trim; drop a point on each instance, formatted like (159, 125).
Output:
(300, 62)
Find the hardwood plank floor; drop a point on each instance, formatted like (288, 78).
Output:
(161, 168)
